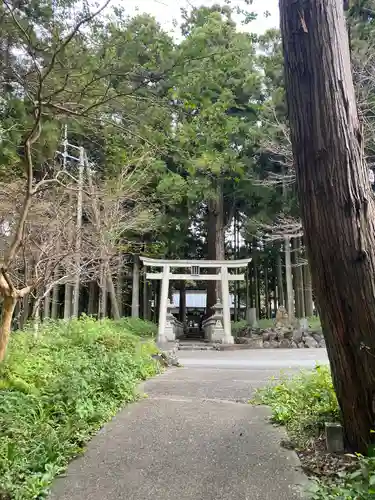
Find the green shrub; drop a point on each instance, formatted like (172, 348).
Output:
(356, 485)
(138, 327)
(302, 403)
(60, 388)
(238, 327)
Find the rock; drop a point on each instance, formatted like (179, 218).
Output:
(322, 343)
(284, 344)
(266, 335)
(317, 336)
(301, 345)
(241, 340)
(255, 343)
(279, 333)
(282, 318)
(272, 336)
(297, 336)
(293, 345)
(311, 343)
(266, 345)
(274, 344)
(287, 333)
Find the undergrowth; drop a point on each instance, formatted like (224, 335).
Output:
(303, 404)
(59, 389)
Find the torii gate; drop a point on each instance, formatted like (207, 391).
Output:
(195, 265)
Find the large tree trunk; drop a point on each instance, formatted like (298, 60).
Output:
(338, 208)
(280, 282)
(8, 305)
(215, 243)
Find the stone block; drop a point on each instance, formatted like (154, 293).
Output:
(334, 437)
(266, 335)
(266, 345)
(274, 344)
(297, 336)
(311, 343)
(255, 343)
(284, 344)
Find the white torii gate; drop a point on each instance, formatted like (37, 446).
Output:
(195, 265)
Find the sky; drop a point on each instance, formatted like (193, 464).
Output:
(166, 11)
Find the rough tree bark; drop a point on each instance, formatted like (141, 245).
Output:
(289, 279)
(338, 208)
(215, 243)
(135, 286)
(9, 303)
(280, 281)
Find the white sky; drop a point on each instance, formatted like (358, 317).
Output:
(166, 11)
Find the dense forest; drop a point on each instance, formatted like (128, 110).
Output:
(132, 144)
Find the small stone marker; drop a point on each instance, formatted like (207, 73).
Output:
(334, 437)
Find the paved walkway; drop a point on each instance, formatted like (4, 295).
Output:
(195, 437)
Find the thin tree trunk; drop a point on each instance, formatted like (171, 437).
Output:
(9, 303)
(337, 205)
(309, 307)
(256, 287)
(55, 296)
(280, 281)
(112, 294)
(298, 279)
(68, 301)
(102, 312)
(266, 290)
(91, 302)
(289, 279)
(183, 302)
(47, 307)
(120, 286)
(135, 287)
(300, 286)
(78, 232)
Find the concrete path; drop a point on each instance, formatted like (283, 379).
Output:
(194, 437)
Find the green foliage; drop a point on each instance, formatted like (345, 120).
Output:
(138, 326)
(302, 403)
(356, 485)
(60, 388)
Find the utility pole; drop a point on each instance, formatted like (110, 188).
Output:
(81, 167)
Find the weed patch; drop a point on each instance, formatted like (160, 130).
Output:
(59, 389)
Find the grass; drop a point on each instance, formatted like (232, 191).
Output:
(59, 389)
(303, 404)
